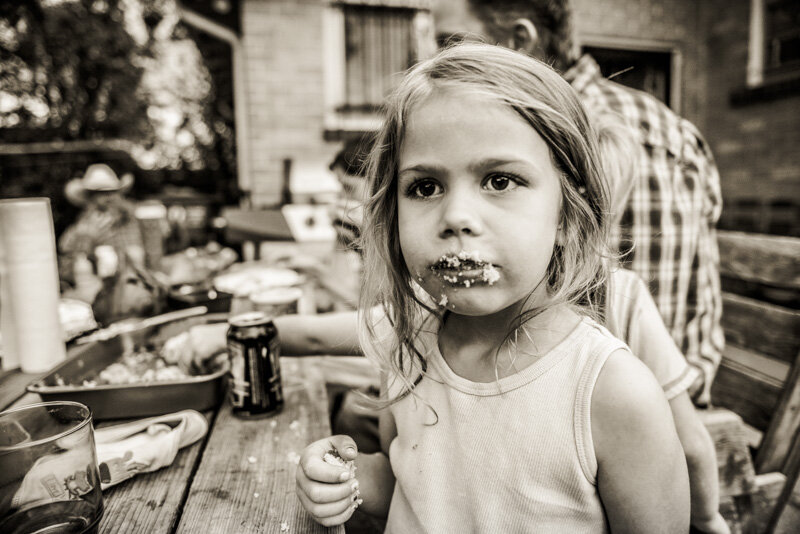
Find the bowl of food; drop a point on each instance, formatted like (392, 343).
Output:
(139, 373)
(244, 279)
(199, 294)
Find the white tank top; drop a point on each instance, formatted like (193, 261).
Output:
(517, 461)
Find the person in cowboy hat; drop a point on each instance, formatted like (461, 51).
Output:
(107, 217)
(98, 180)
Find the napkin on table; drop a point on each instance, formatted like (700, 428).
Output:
(146, 445)
(123, 451)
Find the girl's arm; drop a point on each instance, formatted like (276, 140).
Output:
(332, 493)
(650, 341)
(378, 487)
(333, 333)
(641, 469)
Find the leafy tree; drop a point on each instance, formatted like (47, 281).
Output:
(109, 69)
(67, 71)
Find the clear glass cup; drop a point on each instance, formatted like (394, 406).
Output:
(49, 480)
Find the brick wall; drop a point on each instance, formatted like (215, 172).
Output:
(755, 143)
(282, 42)
(676, 22)
(283, 49)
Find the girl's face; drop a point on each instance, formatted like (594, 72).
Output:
(478, 204)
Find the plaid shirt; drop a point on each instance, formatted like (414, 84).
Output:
(123, 231)
(671, 215)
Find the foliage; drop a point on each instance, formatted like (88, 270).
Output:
(67, 73)
(108, 69)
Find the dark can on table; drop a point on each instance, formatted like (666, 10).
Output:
(255, 365)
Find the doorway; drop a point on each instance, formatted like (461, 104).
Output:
(648, 71)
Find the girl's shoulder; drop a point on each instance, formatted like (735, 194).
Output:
(627, 397)
(599, 337)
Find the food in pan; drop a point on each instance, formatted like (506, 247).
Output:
(132, 368)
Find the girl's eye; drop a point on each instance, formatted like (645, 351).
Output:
(424, 189)
(500, 182)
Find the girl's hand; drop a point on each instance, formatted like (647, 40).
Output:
(328, 492)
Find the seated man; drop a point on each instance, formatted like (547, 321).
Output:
(107, 218)
(102, 253)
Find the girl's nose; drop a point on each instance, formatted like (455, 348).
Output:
(460, 216)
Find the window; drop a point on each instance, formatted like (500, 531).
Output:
(650, 65)
(782, 36)
(378, 45)
(645, 70)
(368, 44)
(774, 53)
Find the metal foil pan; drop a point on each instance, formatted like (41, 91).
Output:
(142, 399)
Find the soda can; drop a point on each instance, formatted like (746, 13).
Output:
(254, 353)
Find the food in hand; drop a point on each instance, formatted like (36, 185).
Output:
(332, 457)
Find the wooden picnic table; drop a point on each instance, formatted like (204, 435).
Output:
(240, 478)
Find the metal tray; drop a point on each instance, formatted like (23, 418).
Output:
(112, 401)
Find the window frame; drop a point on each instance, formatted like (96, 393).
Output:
(647, 45)
(758, 73)
(337, 119)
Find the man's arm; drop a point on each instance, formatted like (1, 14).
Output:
(704, 335)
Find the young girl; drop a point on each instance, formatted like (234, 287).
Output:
(509, 408)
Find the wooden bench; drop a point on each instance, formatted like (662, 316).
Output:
(759, 375)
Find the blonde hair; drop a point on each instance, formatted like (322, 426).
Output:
(620, 156)
(577, 270)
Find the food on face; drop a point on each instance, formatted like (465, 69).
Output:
(465, 269)
(490, 274)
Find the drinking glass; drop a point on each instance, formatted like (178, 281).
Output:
(49, 481)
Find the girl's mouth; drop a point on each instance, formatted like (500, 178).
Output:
(465, 269)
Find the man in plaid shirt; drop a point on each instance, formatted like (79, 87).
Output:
(107, 218)
(668, 228)
(669, 223)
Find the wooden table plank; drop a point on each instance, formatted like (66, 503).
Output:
(13, 384)
(151, 502)
(246, 478)
(766, 259)
(27, 398)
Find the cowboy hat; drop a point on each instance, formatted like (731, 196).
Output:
(98, 177)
